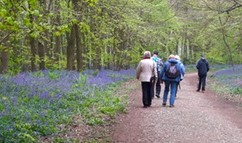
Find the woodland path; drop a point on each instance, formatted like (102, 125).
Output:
(197, 117)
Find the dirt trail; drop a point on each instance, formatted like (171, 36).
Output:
(197, 117)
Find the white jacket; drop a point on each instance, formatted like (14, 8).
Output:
(145, 70)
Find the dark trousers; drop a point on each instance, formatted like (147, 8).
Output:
(202, 82)
(146, 93)
(158, 86)
(155, 83)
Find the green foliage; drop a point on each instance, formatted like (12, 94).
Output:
(100, 104)
(33, 116)
(226, 90)
(38, 74)
(113, 32)
(213, 30)
(109, 30)
(53, 75)
(227, 84)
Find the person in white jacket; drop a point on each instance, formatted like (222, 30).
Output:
(145, 72)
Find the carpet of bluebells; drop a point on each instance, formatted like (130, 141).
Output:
(231, 78)
(34, 104)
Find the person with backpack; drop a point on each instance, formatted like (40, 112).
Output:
(144, 73)
(156, 86)
(171, 74)
(202, 67)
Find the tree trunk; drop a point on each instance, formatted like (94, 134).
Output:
(70, 49)
(78, 50)
(83, 49)
(41, 50)
(226, 44)
(4, 61)
(57, 42)
(33, 54)
(57, 49)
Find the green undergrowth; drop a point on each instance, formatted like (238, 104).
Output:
(108, 102)
(223, 88)
(98, 112)
(227, 86)
(117, 104)
(46, 106)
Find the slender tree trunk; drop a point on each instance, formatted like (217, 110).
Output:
(57, 49)
(226, 44)
(78, 48)
(57, 42)
(70, 49)
(4, 61)
(83, 49)
(41, 50)
(33, 54)
(4, 55)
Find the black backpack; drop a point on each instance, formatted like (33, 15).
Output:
(172, 71)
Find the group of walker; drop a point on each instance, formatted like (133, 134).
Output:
(152, 72)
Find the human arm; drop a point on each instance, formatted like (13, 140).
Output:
(138, 70)
(197, 65)
(162, 72)
(182, 72)
(207, 64)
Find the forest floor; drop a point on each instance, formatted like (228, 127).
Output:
(197, 117)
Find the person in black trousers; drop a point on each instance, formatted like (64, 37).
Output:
(202, 67)
(145, 72)
(156, 87)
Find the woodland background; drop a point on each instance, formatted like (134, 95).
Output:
(63, 63)
(112, 34)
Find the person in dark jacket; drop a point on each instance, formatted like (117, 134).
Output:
(203, 68)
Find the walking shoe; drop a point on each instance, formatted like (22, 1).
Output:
(163, 104)
(197, 90)
(171, 106)
(158, 96)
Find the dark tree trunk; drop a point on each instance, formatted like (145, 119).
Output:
(78, 50)
(4, 61)
(57, 49)
(70, 49)
(82, 50)
(41, 50)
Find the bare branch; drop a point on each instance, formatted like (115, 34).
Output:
(4, 38)
(233, 7)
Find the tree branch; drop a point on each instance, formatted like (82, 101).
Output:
(4, 38)
(235, 6)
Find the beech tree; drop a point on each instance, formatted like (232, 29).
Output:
(81, 34)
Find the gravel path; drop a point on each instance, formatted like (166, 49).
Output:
(196, 117)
